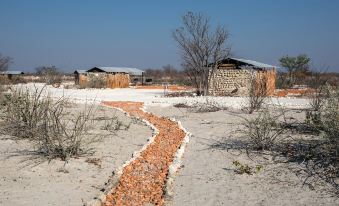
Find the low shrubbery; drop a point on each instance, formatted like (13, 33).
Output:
(44, 121)
(257, 95)
(50, 75)
(246, 169)
(319, 154)
(208, 105)
(263, 131)
(324, 118)
(113, 124)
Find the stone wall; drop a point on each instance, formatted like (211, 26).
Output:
(237, 82)
(225, 82)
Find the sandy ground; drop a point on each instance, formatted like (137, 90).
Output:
(25, 180)
(154, 97)
(207, 176)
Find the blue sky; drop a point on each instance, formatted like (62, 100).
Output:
(81, 34)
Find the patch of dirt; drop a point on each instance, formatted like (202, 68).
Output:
(293, 92)
(143, 180)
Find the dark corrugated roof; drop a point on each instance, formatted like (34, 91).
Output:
(132, 71)
(254, 63)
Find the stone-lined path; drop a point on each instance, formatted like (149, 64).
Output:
(144, 179)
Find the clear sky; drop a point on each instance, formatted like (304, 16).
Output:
(81, 34)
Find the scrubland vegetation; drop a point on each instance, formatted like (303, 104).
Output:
(55, 131)
(275, 131)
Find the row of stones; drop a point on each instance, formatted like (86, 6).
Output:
(143, 181)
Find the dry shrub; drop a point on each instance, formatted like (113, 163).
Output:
(18, 80)
(257, 94)
(324, 118)
(181, 105)
(63, 135)
(4, 81)
(264, 131)
(181, 94)
(2, 90)
(318, 155)
(324, 112)
(2, 100)
(113, 124)
(50, 75)
(55, 132)
(24, 111)
(52, 78)
(207, 106)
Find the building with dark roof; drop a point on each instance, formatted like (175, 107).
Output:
(110, 77)
(10, 74)
(236, 76)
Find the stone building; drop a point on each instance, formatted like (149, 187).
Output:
(234, 77)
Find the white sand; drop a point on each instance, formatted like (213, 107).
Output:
(208, 177)
(155, 97)
(72, 183)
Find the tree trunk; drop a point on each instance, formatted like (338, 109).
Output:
(205, 81)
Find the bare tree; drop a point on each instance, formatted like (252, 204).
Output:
(201, 49)
(4, 62)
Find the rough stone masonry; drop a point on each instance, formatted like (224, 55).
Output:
(226, 82)
(237, 82)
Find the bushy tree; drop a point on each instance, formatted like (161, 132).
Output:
(295, 65)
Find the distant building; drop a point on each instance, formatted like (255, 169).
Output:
(10, 74)
(234, 77)
(108, 77)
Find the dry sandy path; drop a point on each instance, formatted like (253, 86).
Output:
(143, 180)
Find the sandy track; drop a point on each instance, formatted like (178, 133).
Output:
(143, 180)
